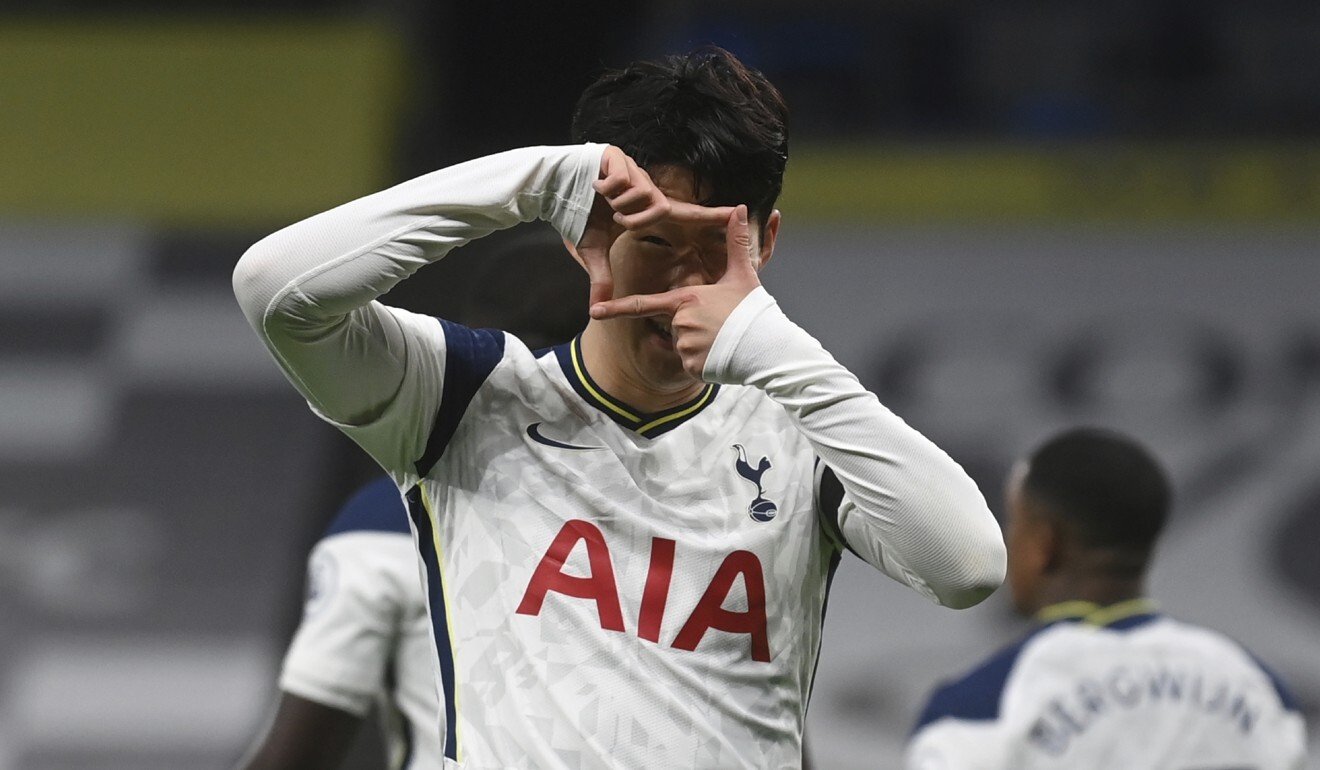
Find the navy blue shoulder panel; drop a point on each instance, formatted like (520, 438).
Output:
(1133, 621)
(470, 356)
(976, 695)
(829, 497)
(376, 507)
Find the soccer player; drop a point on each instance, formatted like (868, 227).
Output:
(1106, 681)
(364, 641)
(627, 539)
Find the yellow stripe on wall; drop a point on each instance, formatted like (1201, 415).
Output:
(256, 123)
(194, 122)
(1073, 182)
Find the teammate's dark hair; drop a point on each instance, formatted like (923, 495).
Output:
(704, 111)
(1105, 486)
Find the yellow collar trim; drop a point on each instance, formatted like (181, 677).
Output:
(1094, 614)
(699, 403)
(580, 371)
(653, 422)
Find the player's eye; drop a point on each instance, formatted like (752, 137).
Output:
(656, 240)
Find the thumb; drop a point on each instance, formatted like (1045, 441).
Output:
(742, 257)
(598, 272)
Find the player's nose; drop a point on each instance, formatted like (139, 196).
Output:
(690, 278)
(693, 270)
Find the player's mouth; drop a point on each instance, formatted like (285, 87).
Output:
(662, 332)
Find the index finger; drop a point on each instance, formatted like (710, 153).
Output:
(682, 211)
(640, 305)
(674, 211)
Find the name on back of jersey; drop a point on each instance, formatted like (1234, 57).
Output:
(1128, 687)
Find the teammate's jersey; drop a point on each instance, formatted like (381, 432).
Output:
(1118, 689)
(365, 637)
(607, 588)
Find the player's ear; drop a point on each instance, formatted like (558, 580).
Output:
(769, 234)
(1051, 541)
(573, 252)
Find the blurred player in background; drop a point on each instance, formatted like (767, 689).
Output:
(364, 641)
(1106, 681)
(628, 539)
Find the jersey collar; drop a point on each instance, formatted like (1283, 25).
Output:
(1122, 615)
(644, 424)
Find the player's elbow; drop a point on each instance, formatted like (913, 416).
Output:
(257, 279)
(980, 571)
(968, 596)
(250, 276)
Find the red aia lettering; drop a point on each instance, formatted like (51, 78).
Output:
(710, 612)
(656, 592)
(599, 585)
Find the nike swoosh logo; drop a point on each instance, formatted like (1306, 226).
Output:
(534, 431)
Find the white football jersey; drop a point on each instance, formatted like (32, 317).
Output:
(1119, 689)
(607, 588)
(583, 557)
(365, 636)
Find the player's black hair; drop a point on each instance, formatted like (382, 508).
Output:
(1107, 488)
(704, 111)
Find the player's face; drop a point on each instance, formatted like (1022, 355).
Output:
(1023, 537)
(664, 256)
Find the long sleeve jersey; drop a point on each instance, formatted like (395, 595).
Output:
(607, 587)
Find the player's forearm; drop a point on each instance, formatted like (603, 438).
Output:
(308, 289)
(916, 513)
(303, 734)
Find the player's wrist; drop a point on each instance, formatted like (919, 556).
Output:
(567, 195)
(732, 358)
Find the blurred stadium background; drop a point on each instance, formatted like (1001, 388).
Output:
(1006, 218)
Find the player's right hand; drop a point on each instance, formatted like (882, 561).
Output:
(625, 198)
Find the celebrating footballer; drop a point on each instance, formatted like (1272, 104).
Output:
(626, 540)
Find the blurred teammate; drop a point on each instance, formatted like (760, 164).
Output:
(1106, 681)
(364, 642)
(627, 539)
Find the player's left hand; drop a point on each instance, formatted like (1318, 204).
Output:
(698, 312)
